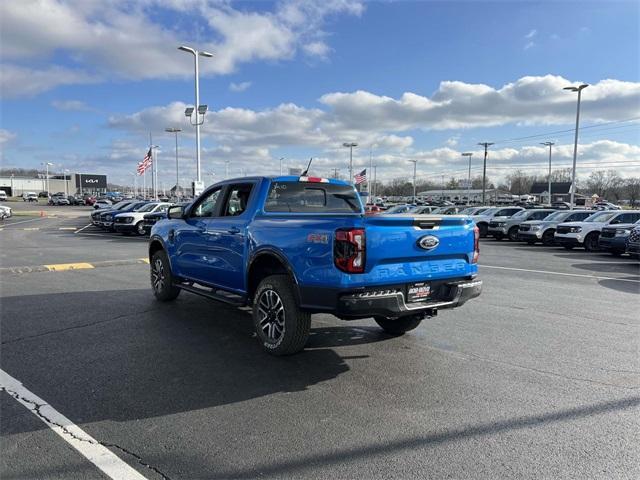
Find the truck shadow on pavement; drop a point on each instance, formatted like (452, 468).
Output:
(627, 275)
(120, 355)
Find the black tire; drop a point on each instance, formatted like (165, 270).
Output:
(513, 234)
(483, 229)
(281, 327)
(548, 238)
(140, 228)
(398, 326)
(162, 280)
(531, 242)
(498, 236)
(591, 242)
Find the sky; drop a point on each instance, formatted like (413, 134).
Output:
(85, 82)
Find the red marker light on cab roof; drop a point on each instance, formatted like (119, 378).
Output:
(314, 180)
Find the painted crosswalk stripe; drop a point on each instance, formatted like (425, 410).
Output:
(103, 458)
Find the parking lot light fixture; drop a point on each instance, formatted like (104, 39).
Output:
(350, 146)
(549, 144)
(47, 165)
(175, 131)
(196, 54)
(486, 145)
(575, 142)
(468, 154)
(415, 163)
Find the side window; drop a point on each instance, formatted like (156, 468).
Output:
(207, 207)
(626, 218)
(237, 199)
(577, 217)
(539, 215)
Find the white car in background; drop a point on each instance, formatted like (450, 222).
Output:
(586, 233)
(482, 220)
(133, 222)
(5, 212)
(3, 196)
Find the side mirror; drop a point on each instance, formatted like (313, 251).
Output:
(175, 212)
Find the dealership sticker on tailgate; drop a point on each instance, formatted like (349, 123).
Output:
(418, 292)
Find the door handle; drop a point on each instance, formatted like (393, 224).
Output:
(233, 230)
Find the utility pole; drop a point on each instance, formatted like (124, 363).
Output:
(196, 54)
(486, 145)
(468, 154)
(281, 159)
(575, 142)
(442, 190)
(375, 186)
(549, 144)
(226, 169)
(350, 146)
(335, 173)
(370, 171)
(415, 163)
(176, 131)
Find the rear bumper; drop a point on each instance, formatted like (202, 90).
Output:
(387, 301)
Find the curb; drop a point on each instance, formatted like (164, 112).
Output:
(63, 267)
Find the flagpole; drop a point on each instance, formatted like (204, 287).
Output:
(153, 167)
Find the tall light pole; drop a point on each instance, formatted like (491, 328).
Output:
(154, 170)
(575, 142)
(350, 146)
(486, 145)
(549, 144)
(415, 163)
(176, 131)
(226, 169)
(47, 165)
(468, 154)
(66, 184)
(375, 186)
(196, 54)
(281, 159)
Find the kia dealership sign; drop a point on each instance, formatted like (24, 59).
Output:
(90, 181)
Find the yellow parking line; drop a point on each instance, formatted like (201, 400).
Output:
(58, 267)
(145, 260)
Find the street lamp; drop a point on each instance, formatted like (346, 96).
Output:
(66, 183)
(350, 146)
(415, 163)
(549, 144)
(154, 170)
(47, 165)
(468, 154)
(176, 131)
(575, 143)
(486, 145)
(281, 159)
(196, 54)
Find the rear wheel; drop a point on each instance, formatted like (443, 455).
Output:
(140, 228)
(548, 238)
(398, 326)
(591, 242)
(513, 234)
(282, 328)
(162, 281)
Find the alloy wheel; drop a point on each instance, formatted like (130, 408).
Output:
(158, 276)
(271, 311)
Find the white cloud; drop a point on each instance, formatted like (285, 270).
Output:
(239, 87)
(70, 105)
(6, 136)
(125, 39)
(452, 141)
(529, 45)
(317, 49)
(532, 33)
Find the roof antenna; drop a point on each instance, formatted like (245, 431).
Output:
(304, 174)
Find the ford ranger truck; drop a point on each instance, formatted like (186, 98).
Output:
(292, 246)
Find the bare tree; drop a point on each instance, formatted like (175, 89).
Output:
(632, 190)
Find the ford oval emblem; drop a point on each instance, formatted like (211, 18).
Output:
(428, 242)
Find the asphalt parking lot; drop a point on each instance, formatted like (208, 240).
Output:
(538, 378)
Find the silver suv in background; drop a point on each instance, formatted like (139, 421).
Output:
(482, 220)
(508, 227)
(533, 231)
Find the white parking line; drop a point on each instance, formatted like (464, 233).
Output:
(22, 221)
(561, 273)
(86, 226)
(91, 449)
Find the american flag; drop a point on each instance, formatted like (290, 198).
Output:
(145, 163)
(361, 177)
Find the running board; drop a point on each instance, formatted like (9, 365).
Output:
(213, 294)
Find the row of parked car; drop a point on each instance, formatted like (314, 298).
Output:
(130, 216)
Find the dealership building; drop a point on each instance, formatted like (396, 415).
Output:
(85, 183)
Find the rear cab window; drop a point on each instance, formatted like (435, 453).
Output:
(304, 197)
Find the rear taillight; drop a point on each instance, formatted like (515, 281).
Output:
(476, 244)
(349, 250)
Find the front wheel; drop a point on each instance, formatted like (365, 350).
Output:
(591, 242)
(548, 238)
(513, 234)
(162, 281)
(398, 326)
(140, 228)
(282, 328)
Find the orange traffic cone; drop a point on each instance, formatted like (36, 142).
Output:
(42, 214)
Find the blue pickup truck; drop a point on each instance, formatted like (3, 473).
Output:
(291, 246)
